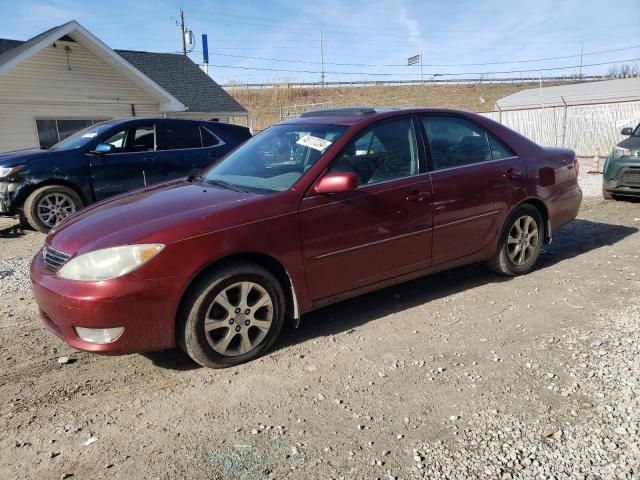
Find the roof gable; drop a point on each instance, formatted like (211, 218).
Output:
(173, 78)
(19, 53)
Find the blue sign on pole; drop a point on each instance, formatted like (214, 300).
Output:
(205, 48)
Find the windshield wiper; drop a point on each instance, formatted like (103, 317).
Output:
(227, 185)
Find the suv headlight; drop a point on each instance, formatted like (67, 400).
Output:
(619, 152)
(6, 171)
(109, 263)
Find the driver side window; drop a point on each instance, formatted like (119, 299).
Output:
(140, 138)
(383, 152)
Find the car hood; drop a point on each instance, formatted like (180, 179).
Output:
(630, 143)
(164, 213)
(21, 157)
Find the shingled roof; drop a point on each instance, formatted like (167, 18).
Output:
(183, 79)
(180, 77)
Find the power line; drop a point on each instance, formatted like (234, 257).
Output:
(434, 74)
(249, 57)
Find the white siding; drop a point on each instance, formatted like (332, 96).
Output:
(44, 87)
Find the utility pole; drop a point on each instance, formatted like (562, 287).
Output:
(321, 60)
(580, 72)
(183, 32)
(421, 77)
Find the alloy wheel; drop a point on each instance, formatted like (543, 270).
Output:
(523, 240)
(238, 319)
(54, 207)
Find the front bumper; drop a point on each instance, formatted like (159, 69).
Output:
(622, 176)
(7, 190)
(145, 308)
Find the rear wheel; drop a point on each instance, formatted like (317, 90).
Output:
(47, 206)
(231, 316)
(521, 242)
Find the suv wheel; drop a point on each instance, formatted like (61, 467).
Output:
(606, 194)
(48, 206)
(231, 316)
(520, 243)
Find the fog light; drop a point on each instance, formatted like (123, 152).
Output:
(612, 184)
(99, 335)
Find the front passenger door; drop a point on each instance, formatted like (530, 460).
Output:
(355, 239)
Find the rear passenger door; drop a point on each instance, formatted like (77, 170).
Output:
(181, 150)
(475, 179)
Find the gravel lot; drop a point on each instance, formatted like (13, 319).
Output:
(463, 374)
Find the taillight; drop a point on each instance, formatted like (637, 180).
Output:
(576, 165)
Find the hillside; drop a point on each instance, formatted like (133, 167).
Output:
(264, 104)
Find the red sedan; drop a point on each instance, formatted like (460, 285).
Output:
(309, 212)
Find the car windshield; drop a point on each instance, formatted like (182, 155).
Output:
(275, 159)
(81, 138)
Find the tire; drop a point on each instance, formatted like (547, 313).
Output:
(606, 195)
(224, 345)
(59, 200)
(510, 260)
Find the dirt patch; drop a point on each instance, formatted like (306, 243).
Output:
(460, 374)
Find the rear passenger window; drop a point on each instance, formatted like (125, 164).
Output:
(455, 142)
(498, 149)
(208, 138)
(181, 135)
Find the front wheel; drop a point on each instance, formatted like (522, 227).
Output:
(231, 315)
(606, 194)
(520, 243)
(49, 205)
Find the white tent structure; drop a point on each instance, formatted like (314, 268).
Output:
(618, 90)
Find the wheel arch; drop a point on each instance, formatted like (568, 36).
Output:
(24, 194)
(544, 211)
(268, 262)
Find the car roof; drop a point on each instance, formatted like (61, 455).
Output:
(139, 120)
(356, 115)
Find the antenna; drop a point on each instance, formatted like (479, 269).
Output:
(321, 60)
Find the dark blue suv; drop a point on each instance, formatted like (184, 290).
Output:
(44, 186)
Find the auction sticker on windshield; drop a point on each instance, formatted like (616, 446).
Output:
(314, 142)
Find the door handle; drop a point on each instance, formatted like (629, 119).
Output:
(512, 174)
(417, 196)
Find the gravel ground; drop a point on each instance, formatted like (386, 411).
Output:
(591, 183)
(462, 374)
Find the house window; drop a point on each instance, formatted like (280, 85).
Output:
(51, 132)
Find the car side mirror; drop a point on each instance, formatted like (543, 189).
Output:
(103, 148)
(627, 131)
(337, 182)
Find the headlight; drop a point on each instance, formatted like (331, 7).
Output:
(619, 152)
(6, 171)
(109, 263)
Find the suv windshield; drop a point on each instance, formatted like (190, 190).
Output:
(81, 138)
(275, 159)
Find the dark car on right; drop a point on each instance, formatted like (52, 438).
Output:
(621, 172)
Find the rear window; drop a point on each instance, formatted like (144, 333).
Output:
(208, 138)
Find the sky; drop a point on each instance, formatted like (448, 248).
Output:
(279, 40)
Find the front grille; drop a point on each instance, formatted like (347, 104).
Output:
(630, 176)
(54, 259)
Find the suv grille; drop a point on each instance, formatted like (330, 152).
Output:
(630, 176)
(54, 259)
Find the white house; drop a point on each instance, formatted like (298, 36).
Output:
(65, 79)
